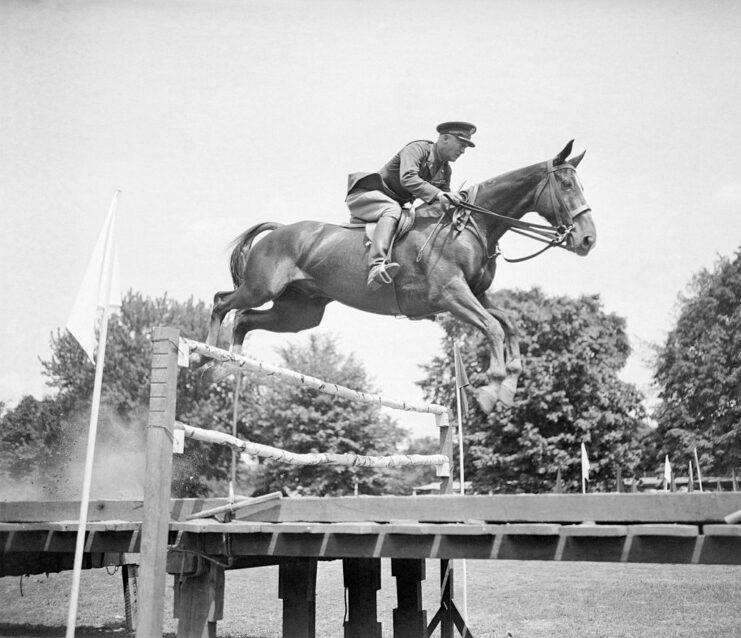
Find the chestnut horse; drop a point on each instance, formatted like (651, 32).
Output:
(447, 262)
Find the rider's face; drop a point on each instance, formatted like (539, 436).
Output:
(450, 147)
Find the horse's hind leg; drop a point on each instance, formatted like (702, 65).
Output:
(293, 311)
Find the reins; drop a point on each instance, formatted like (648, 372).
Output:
(549, 235)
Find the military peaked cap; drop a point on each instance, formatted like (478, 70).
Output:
(462, 130)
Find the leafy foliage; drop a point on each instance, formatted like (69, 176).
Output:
(698, 371)
(274, 413)
(303, 420)
(569, 392)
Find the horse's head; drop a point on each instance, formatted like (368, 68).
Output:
(559, 198)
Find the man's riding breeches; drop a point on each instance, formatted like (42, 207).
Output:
(370, 206)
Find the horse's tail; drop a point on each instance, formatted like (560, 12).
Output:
(241, 245)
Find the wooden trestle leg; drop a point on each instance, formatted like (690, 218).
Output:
(362, 581)
(410, 619)
(297, 589)
(199, 601)
(130, 589)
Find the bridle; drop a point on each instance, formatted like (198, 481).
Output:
(550, 235)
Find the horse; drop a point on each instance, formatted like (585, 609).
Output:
(448, 262)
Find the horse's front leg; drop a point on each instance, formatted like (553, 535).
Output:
(463, 304)
(513, 360)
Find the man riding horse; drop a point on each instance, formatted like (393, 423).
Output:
(420, 170)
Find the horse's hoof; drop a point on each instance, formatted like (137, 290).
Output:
(507, 393)
(487, 398)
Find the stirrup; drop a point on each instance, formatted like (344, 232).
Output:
(382, 273)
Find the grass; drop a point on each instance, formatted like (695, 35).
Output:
(522, 599)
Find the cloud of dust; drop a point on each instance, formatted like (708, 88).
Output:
(57, 474)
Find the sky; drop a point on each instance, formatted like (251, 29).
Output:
(212, 116)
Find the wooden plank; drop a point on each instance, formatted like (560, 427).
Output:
(101, 510)
(593, 530)
(664, 530)
(722, 530)
(698, 508)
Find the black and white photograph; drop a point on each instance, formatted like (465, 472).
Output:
(353, 319)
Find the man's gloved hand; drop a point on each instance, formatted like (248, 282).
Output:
(448, 199)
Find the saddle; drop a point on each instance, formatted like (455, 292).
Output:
(406, 221)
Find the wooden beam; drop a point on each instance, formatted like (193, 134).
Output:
(695, 508)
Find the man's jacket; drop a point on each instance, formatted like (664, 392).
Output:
(414, 172)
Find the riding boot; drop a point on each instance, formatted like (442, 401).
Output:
(381, 270)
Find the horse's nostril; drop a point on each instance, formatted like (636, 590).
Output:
(588, 241)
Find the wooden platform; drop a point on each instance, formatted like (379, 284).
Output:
(662, 528)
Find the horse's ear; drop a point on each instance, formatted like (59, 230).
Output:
(574, 161)
(561, 157)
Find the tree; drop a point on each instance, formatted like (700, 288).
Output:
(302, 420)
(58, 424)
(275, 413)
(698, 371)
(569, 392)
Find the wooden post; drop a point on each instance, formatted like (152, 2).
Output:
(410, 618)
(362, 581)
(128, 576)
(297, 589)
(199, 601)
(158, 477)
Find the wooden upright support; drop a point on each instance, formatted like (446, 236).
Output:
(158, 477)
(297, 589)
(199, 601)
(362, 580)
(410, 618)
(130, 589)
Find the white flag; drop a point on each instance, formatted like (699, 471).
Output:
(100, 286)
(667, 473)
(584, 463)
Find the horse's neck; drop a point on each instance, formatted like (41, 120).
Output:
(511, 195)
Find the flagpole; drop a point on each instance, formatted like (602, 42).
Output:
(699, 473)
(463, 485)
(92, 431)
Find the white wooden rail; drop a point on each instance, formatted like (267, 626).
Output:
(311, 458)
(241, 362)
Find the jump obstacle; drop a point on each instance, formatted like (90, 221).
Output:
(183, 537)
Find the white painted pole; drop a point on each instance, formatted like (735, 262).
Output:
(92, 432)
(463, 487)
